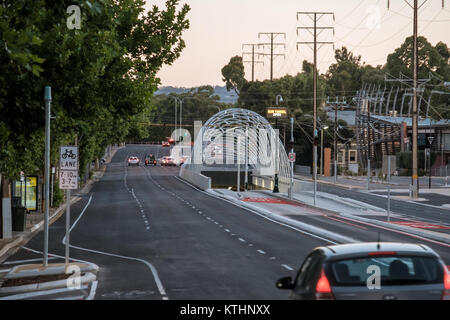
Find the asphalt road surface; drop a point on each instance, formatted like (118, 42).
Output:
(417, 210)
(155, 237)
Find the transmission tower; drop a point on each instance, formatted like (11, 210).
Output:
(253, 54)
(272, 45)
(315, 17)
(415, 122)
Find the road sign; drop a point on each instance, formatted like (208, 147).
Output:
(68, 179)
(68, 158)
(277, 113)
(292, 157)
(68, 165)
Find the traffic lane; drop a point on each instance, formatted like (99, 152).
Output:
(368, 233)
(201, 260)
(409, 209)
(231, 235)
(118, 277)
(111, 225)
(434, 199)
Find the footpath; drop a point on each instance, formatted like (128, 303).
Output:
(28, 281)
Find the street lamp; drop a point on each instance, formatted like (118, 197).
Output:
(278, 99)
(321, 150)
(430, 140)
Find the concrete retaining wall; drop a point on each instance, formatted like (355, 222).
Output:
(195, 178)
(283, 184)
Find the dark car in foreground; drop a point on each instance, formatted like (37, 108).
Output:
(150, 160)
(370, 271)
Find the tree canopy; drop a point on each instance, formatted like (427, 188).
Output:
(102, 75)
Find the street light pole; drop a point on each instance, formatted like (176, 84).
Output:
(48, 101)
(292, 163)
(321, 151)
(278, 99)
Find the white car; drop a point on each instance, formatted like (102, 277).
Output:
(133, 160)
(168, 161)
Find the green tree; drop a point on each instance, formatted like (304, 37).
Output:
(234, 75)
(102, 75)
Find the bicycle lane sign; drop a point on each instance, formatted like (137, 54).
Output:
(68, 164)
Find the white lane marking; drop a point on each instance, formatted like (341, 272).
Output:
(260, 251)
(26, 261)
(259, 214)
(55, 255)
(71, 298)
(287, 267)
(148, 264)
(241, 240)
(79, 217)
(93, 290)
(39, 293)
(227, 230)
(272, 258)
(216, 222)
(158, 282)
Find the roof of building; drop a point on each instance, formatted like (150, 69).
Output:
(348, 116)
(408, 120)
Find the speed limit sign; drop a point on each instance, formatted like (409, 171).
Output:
(292, 157)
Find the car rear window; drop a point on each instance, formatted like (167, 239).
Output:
(394, 270)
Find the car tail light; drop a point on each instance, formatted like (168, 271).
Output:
(446, 293)
(382, 253)
(323, 288)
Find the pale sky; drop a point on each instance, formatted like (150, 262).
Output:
(220, 27)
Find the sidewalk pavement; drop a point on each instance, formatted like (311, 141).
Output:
(35, 222)
(360, 182)
(281, 209)
(436, 196)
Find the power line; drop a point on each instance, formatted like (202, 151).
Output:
(252, 53)
(272, 45)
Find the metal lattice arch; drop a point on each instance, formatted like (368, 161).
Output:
(221, 144)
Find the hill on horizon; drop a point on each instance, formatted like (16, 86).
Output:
(221, 91)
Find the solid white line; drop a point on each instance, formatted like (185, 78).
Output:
(287, 267)
(39, 293)
(93, 290)
(79, 217)
(55, 255)
(161, 289)
(71, 298)
(242, 240)
(227, 230)
(260, 251)
(25, 261)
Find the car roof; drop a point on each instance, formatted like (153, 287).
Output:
(354, 249)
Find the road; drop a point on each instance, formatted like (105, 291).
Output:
(416, 210)
(155, 237)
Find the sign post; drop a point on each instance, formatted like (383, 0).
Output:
(68, 180)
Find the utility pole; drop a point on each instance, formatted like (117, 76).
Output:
(252, 53)
(315, 17)
(415, 179)
(272, 45)
(336, 104)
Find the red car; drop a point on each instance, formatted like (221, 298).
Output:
(166, 144)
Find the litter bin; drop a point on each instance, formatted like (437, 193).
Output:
(19, 218)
